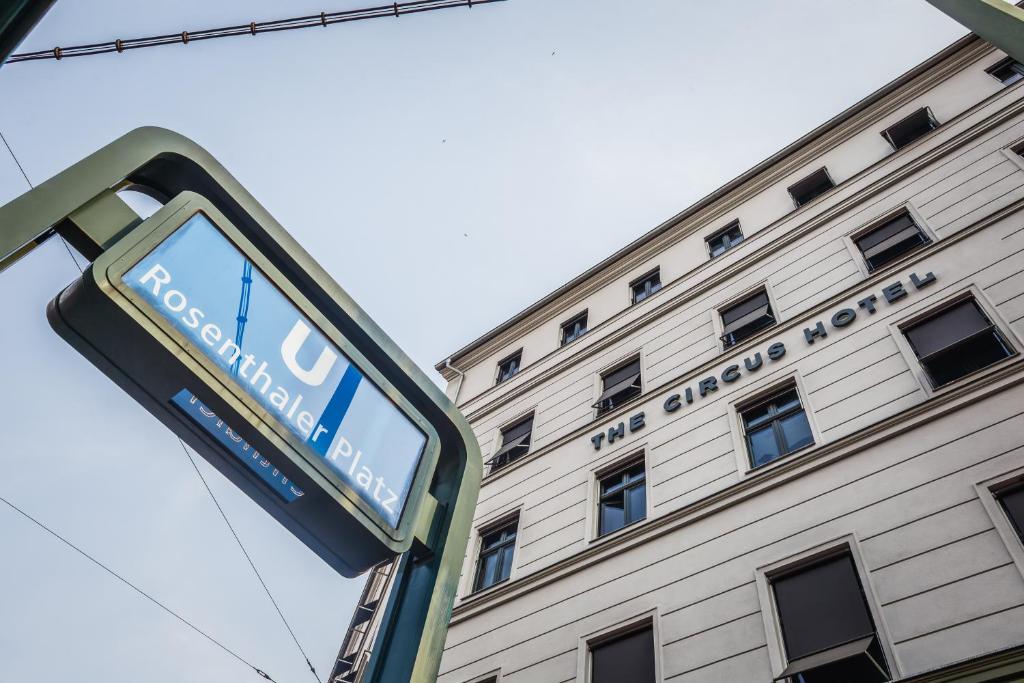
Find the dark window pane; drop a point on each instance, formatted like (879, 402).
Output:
(619, 386)
(796, 431)
(488, 570)
(785, 401)
(625, 372)
(965, 358)
(508, 367)
(1013, 503)
(890, 241)
(574, 329)
(636, 507)
(745, 318)
(725, 239)
(952, 325)
(1008, 71)
(821, 607)
(628, 659)
(918, 124)
(505, 564)
(646, 287)
(613, 514)
(763, 446)
(811, 187)
(517, 430)
(868, 667)
(956, 342)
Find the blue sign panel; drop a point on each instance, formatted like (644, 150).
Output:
(206, 288)
(236, 445)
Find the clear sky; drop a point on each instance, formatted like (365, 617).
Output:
(448, 169)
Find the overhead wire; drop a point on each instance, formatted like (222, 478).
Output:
(206, 485)
(323, 19)
(249, 559)
(135, 588)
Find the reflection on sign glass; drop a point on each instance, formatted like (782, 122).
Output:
(229, 310)
(236, 445)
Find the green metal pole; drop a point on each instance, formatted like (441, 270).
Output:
(996, 21)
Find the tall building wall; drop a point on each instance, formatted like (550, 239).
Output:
(904, 473)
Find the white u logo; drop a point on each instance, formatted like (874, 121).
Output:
(290, 351)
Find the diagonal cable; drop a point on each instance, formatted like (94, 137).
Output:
(248, 558)
(138, 590)
(205, 484)
(32, 187)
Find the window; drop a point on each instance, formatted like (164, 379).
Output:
(574, 329)
(917, 125)
(827, 629)
(497, 548)
(725, 239)
(508, 368)
(746, 318)
(890, 240)
(1013, 504)
(1008, 71)
(628, 657)
(955, 342)
(618, 386)
(814, 185)
(515, 443)
(646, 286)
(775, 426)
(623, 498)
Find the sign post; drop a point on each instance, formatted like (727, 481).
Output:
(213, 318)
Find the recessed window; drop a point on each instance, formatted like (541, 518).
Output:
(628, 657)
(826, 625)
(497, 549)
(955, 342)
(574, 329)
(1012, 501)
(746, 318)
(1008, 71)
(890, 240)
(725, 239)
(508, 368)
(619, 386)
(623, 498)
(515, 443)
(811, 187)
(646, 286)
(775, 426)
(917, 125)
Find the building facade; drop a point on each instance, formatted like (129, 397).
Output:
(781, 436)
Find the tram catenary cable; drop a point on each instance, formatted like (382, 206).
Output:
(206, 485)
(138, 590)
(395, 9)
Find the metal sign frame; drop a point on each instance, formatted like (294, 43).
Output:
(81, 204)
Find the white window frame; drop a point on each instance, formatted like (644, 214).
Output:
(988, 491)
(850, 239)
(608, 631)
(481, 529)
(634, 453)
(495, 441)
(719, 326)
(769, 610)
(925, 309)
(754, 394)
(617, 363)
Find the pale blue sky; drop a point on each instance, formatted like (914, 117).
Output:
(447, 169)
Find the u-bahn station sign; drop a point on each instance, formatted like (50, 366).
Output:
(190, 316)
(212, 317)
(733, 371)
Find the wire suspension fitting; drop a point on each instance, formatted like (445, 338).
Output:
(395, 9)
